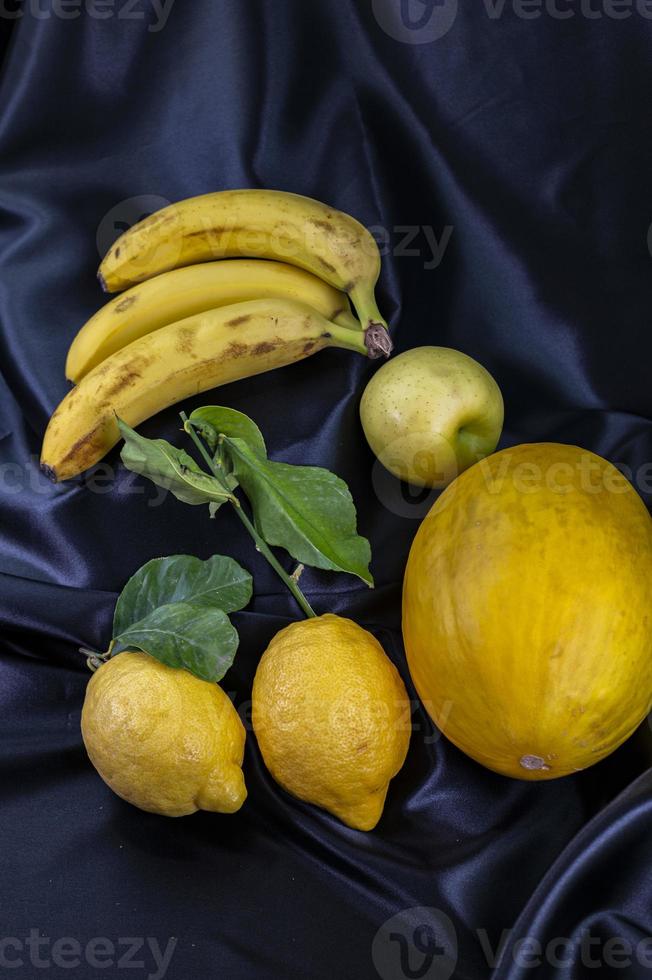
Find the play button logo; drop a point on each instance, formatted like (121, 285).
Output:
(416, 944)
(415, 21)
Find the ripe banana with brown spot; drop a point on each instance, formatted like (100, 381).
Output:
(182, 360)
(263, 223)
(181, 293)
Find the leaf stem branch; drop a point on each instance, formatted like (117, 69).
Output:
(261, 545)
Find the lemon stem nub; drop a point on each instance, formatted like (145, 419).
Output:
(95, 659)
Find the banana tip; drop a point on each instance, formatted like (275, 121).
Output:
(49, 472)
(102, 282)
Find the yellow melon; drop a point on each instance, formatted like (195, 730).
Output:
(527, 611)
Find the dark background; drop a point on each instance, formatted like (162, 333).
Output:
(531, 137)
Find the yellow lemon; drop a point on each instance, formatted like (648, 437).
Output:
(162, 739)
(332, 717)
(527, 611)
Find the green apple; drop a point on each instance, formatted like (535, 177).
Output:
(430, 413)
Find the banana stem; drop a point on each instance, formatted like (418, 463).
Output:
(364, 300)
(378, 341)
(373, 342)
(261, 545)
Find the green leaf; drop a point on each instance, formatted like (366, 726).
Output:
(215, 421)
(219, 583)
(305, 509)
(170, 468)
(183, 634)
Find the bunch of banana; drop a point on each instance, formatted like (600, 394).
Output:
(261, 223)
(188, 324)
(181, 293)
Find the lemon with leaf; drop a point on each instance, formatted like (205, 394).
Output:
(163, 739)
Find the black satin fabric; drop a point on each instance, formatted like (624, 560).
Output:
(531, 139)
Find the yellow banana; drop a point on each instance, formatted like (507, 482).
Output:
(184, 292)
(182, 360)
(263, 223)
